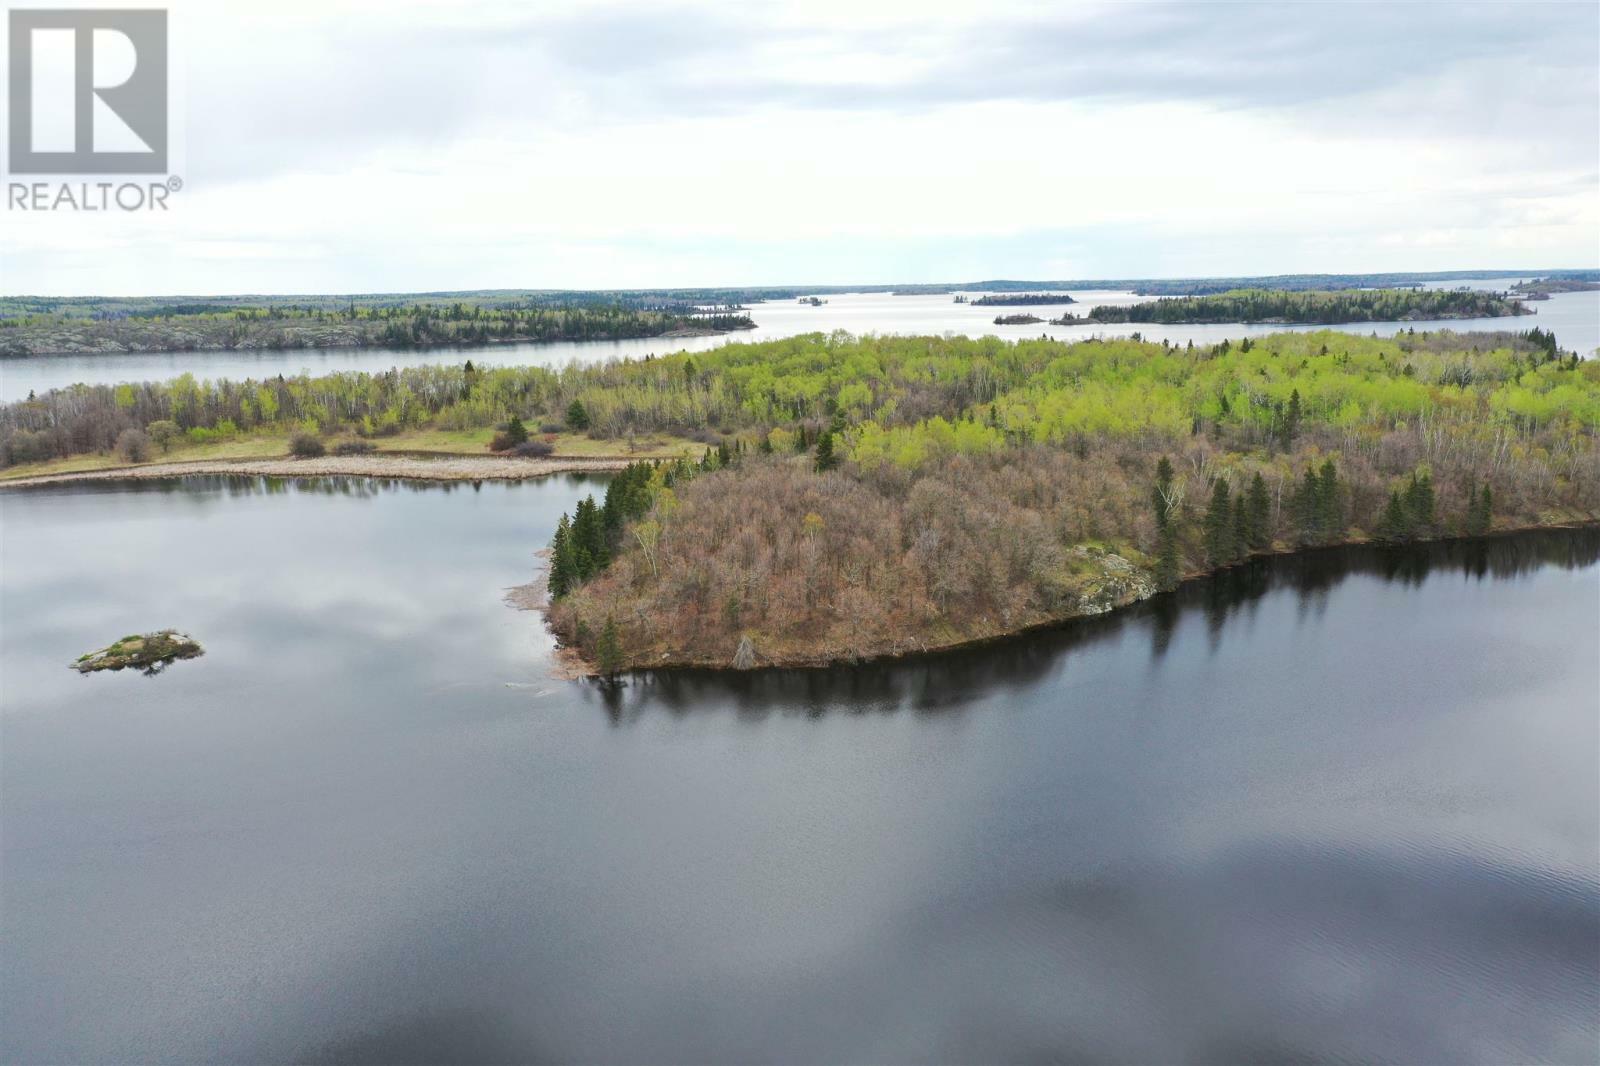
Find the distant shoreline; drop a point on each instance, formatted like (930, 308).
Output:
(405, 467)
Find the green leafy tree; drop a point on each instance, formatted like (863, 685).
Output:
(165, 433)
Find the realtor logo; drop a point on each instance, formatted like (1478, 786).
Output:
(88, 91)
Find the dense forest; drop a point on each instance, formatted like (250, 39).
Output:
(1325, 308)
(210, 327)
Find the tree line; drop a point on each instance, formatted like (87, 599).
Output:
(1278, 305)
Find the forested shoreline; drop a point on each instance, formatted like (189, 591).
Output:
(206, 327)
(856, 497)
(1310, 307)
(957, 491)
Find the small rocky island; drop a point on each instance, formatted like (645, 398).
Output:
(150, 652)
(1016, 320)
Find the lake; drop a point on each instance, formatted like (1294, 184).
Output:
(1573, 317)
(1342, 806)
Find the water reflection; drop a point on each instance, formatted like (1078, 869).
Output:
(367, 826)
(947, 682)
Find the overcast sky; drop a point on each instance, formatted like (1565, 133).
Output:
(352, 146)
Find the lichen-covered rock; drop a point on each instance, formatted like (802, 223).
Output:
(150, 652)
(1117, 583)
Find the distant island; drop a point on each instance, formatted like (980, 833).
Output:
(1028, 299)
(1318, 308)
(1544, 288)
(1017, 320)
(182, 328)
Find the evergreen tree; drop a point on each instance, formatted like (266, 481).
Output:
(1330, 501)
(724, 455)
(608, 649)
(589, 537)
(765, 448)
(1307, 515)
(1168, 567)
(1419, 501)
(1241, 529)
(826, 460)
(1163, 488)
(1219, 526)
(1259, 507)
(1291, 420)
(562, 563)
(1393, 525)
(1480, 512)
(577, 415)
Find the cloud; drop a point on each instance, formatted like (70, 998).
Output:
(358, 145)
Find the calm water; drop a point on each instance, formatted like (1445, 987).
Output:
(1573, 317)
(1342, 808)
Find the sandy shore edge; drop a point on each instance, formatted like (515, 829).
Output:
(465, 468)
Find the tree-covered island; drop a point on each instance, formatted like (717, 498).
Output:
(1024, 299)
(1316, 308)
(205, 327)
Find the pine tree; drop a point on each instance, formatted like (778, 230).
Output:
(826, 460)
(724, 455)
(1241, 529)
(1168, 566)
(1291, 420)
(1219, 526)
(1330, 501)
(608, 649)
(577, 415)
(516, 432)
(1259, 506)
(589, 538)
(1393, 524)
(562, 577)
(1480, 512)
(1419, 501)
(1307, 515)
